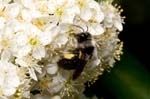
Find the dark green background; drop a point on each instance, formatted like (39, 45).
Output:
(130, 77)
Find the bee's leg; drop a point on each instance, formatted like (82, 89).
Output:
(79, 69)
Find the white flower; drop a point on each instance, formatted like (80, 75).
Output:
(6, 39)
(90, 10)
(96, 29)
(47, 37)
(61, 39)
(97, 13)
(31, 64)
(57, 83)
(36, 43)
(60, 36)
(112, 17)
(31, 9)
(9, 79)
(93, 28)
(28, 41)
(12, 10)
(42, 6)
(85, 11)
(20, 47)
(52, 68)
(62, 11)
(27, 15)
(6, 55)
(26, 3)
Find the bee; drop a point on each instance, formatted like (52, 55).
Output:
(78, 58)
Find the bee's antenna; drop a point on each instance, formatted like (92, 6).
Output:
(78, 27)
(87, 28)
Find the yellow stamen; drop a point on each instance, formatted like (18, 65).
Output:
(20, 18)
(81, 3)
(39, 23)
(33, 41)
(5, 43)
(43, 8)
(59, 11)
(2, 14)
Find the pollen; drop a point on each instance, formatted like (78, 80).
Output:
(33, 41)
(5, 43)
(44, 83)
(59, 11)
(81, 3)
(2, 14)
(43, 8)
(20, 18)
(92, 20)
(38, 23)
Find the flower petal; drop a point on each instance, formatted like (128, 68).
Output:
(38, 52)
(13, 10)
(52, 69)
(96, 29)
(32, 74)
(2, 22)
(86, 14)
(5, 56)
(118, 25)
(9, 91)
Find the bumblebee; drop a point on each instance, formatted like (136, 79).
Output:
(78, 58)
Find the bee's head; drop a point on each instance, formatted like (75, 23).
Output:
(83, 36)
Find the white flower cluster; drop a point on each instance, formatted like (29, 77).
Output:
(34, 34)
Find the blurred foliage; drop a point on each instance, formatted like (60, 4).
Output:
(127, 80)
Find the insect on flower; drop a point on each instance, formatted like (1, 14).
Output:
(78, 58)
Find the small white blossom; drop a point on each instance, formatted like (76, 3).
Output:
(26, 3)
(29, 41)
(90, 10)
(52, 68)
(112, 17)
(57, 83)
(31, 64)
(9, 79)
(12, 10)
(63, 11)
(96, 29)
